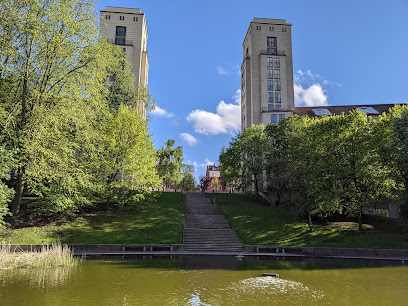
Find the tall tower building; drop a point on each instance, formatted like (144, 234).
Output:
(267, 72)
(126, 27)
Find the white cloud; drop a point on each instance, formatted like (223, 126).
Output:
(161, 112)
(227, 119)
(208, 162)
(222, 71)
(310, 89)
(237, 96)
(188, 138)
(314, 95)
(203, 165)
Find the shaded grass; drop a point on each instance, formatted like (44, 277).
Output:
(258, 224)
(159, 222)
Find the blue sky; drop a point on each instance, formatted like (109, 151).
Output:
(344, 52)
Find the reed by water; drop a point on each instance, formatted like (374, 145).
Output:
(48, 256)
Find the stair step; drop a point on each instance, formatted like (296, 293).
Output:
(205, 228)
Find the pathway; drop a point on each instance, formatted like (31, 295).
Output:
(205, 228)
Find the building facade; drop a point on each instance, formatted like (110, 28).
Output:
(126, 27)
(213, 173)
(267, 94)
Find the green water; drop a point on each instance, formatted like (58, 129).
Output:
(194, 282)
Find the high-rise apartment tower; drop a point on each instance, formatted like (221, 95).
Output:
(267, 72)
(126, 27)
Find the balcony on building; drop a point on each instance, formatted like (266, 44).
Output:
(272, 51)
(120, 41)
(265, 109)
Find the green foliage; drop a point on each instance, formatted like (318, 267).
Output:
(326, 165)
(77, 139)
(6, 161)
(230, 160)
(169, 163)
(394, 130)
(128, 156)
(243, 161)
(188, 177)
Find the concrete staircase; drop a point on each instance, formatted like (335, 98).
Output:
(205, 229)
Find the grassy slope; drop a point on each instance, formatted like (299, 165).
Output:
(257, 224)
(160, 222)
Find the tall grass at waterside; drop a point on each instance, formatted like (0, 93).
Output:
(48, 256)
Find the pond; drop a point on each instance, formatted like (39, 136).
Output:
(207, 280)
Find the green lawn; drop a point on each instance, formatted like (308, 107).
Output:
(160, 222)
(257, 224)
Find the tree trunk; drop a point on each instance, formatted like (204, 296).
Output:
(256, 188)
(309, 220)
(360, 219)
(15, 208)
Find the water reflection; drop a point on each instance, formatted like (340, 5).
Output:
(203, 262)
(207, 280)
(39, 277)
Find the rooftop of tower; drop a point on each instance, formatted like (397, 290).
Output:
(269, 21)
(124, 10)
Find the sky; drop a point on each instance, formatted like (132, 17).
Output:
(344, 52)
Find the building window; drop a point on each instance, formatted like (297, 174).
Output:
(107, 16)
(321, 111)
(270, 73)
(269, 62)
(270, 97)
(120, 38)
(283, 29)
(258, 27)
(134, 18)
(277, 85)
(281, 116)
(271, 45)
(121, 17)
(270, 28)
(276, 62)
(270, 85)
(274, 118)
(277, 107)
(367, 110)
(277, 74)
(124, 50)
(277, 97)
(270, 107)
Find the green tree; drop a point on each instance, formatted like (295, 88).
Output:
(392, 139)
(230, 164)
(253, 142)
(300, 160)
(243, 161)
(169, 163)
(129, 158)
(188, 177)
(6, 161)
(44, 56)
(362, 179)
